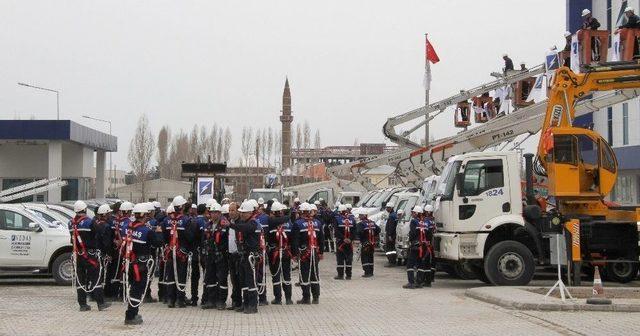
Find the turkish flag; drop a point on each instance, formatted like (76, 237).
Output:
(431, 53)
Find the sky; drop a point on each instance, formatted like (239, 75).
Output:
(351, 64)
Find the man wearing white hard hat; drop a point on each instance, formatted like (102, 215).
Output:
(180, 234)
(247, 232)
(86, 257)
(262, 218)
(279, 242)
(163, 222)
(344, 231)
(140, 242)
(216, 251)
(419, 259)
(369, 233)
(202, 221)
(390, 233)
(591, 23)
(230, 211)
(633, 21)
(309, 237)
(114, 250)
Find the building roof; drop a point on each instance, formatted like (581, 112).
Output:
(64, 130)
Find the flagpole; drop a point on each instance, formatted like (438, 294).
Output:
(426, 99)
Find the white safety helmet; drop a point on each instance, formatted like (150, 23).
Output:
(390, 204)
(103, 209)
(567, 34)
(193, 206)
(348, 205)
(140, 208)
(417, 209)
(342, 208)
(428, 208)
(150, 206)
(226, 200)
(585, 12)
(179, 201)
(400, 212)
(304, 207)
(313, 207)
(157, 204)
(126, 206)
(296, 200)
(260, 201)
(337, 204)
(79, 206)
(170, 209)
(628, 9)
(246, 207)
(316, 203)
(253, 203)
(224, 208)
(209, 202)
(277, 206)
(320, 199)
(215, 207)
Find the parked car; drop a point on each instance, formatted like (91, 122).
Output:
(29, 243)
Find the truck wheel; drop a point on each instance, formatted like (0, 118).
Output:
(62, 269)
(622, 272)
(509, 263)
(464, 271)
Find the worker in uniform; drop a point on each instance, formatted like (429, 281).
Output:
(230, 212)
(390, 233)
(261, 217)
(419, 257)
(248, 232)
(280, 240)
(102, 222)
(344, 231)
(508, 63)
(217, 258)
(202, 221)
(190, 213)
(179, 233)
(140, 243)
(326, 218)
(368, 231)
(159, 216)
(308, 238)
(115, 251)
(591, 23)
(430, 264)
(163, 286)
(86, 257)
(567, 49)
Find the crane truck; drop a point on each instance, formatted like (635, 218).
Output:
(483, 221)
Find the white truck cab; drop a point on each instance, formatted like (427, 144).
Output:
(29, 243)
(479, 218)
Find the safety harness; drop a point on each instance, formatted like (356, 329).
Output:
(79, 248)
(347, 233)
(129, 258)
(176, 252)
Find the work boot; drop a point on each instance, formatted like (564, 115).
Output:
(263, 303)
(137, 320)
(85, 307)
(304, 301)
(289, 302)
(408, 286)
(171, 304)
(367, 275)
(337, 277)
(251, 310)
(239, 309)
(348, 277)
(418, 285)
(207, 305)
(103, 306)
(276, 301)
(315, 300)
(182, 304)
(194, 302)
(221, 306)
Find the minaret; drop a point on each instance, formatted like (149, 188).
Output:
(286, 118)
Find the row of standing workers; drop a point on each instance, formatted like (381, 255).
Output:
(117, 252)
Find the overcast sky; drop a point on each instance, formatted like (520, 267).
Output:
(351, 64)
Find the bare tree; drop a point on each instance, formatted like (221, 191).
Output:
(178, 153)
(193, 143)
(228, 140)
(141, 152)
(317, 144)
(203, 145)
(269, 145)
(306, 136)
(247, 144)
(219, 146)
(164, 137)
(213, 143)
(298, 136)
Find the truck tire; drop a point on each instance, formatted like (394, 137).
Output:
(509, 263)
(62, 269)
(464, 271)
(622, 272)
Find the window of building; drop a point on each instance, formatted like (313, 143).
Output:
(625, 124)
(623, 190)
(393, 180)
(610, 125)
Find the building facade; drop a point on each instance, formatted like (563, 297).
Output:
(618, 124)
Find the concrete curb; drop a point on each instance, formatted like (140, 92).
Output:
(518, 298)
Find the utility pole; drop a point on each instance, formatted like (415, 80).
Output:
(50, 90)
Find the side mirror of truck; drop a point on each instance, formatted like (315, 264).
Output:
(460, 183)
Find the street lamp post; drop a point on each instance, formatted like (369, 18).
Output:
(111, 177)
(46, 89)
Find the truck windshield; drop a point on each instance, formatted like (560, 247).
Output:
(382, 198)
(373, 199)
(448, 179)
(365, 199)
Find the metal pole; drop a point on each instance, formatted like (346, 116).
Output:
(426, 98)
(58, 104)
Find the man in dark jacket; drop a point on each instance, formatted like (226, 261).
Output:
(390, 234)
(248, 232)
(508, 63)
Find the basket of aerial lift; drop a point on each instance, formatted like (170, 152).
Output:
(629, 43)
(462, 115)
(483, 108)
(593, 46)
